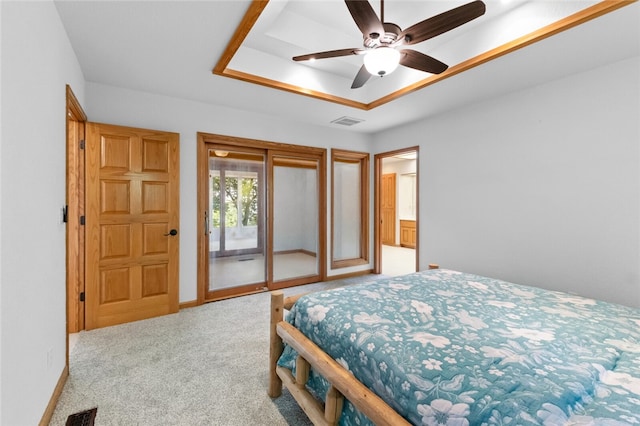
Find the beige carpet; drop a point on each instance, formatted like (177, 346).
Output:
(202, 366)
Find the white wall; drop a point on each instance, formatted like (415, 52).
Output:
(295, 209)
(113, 105)
(37, 63)
(539, 187)
(310, 214)
(1, 120)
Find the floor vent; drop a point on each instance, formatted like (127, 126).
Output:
(347, 121)
(83, 418)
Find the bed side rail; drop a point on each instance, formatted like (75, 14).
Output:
(311, 356)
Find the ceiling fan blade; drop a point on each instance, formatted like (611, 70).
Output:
(329, 54)
(365, 17)
(443, 22)
(361, 78)
(420, 61)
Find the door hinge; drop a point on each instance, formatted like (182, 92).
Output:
(81, 220)
(65, 217)
(82, 296)
(81, 143)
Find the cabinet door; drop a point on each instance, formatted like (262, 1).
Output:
(408, 233)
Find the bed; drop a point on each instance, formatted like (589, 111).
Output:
(446, 347)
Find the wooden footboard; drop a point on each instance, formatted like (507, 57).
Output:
(343, 383)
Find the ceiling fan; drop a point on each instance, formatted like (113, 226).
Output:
(383, 40)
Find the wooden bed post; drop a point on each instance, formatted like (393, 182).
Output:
(275, 344)
(333, 406)
(343, 385)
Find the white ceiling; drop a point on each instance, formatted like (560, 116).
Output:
(171, 47)
(289, 28)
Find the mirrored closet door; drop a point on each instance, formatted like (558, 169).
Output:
(295, 212)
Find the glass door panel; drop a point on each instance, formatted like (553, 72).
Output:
(347, 225)
(296, 243)
(349, 208)
(236, 223)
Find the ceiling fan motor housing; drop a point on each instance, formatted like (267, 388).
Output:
(373, 40)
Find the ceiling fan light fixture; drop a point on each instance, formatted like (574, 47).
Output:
(382, 61)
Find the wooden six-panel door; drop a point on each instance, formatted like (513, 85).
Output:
(388, 209)
(132, 202)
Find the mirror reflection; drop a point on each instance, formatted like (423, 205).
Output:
(295, 219)
(350, 211)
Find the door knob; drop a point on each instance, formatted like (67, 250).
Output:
(172, 233)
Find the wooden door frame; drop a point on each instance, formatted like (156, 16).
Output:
(320, 158)
(362, 159)
(377, 179)
(203, 236)
(75, 120)
(75, 238)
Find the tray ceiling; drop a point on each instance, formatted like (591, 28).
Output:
(169, 48)
(272, 32)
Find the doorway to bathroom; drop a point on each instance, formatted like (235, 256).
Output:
(396, 209)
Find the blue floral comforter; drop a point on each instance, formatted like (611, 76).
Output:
(444, 347)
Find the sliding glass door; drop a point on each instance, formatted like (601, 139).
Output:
(235, 221)
(262, 216)
(296, 210)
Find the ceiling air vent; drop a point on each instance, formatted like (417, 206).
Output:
(347, 121)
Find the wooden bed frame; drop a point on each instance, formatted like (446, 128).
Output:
(311, 356)
(343, 384)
